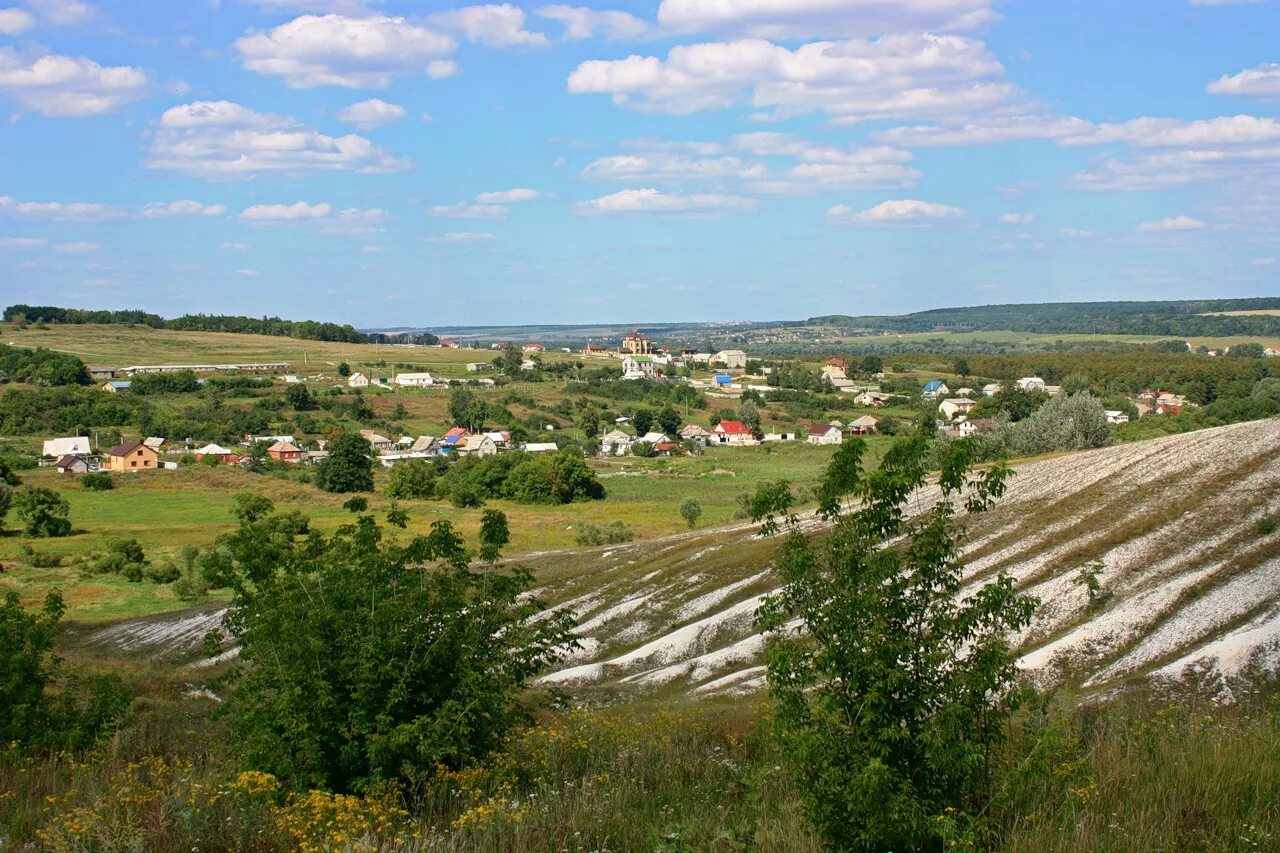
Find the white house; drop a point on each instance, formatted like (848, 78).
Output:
(825, 434)
(653, 438)
(615, 443)
(380, 443)
(935, 388)
(292, 379)
(541, 447)
(357, 380)
(1031, 383)
(476, 366)
(476, 445)
(779, 436)
(414, 380)
(637, 367)
(56, 448)
(991, 389)
(956, 406)
(733, 359)
(1116, 417)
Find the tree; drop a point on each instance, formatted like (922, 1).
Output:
(6, 501)
(961, 367)
(467, 409)
(344, 369)
(349, 466)
(409, 658)
(1077, 422)
(412, 480)
(749, 414)
(669, 420)
(299, 398)
(589, 421)
(691, 511)
(43, 511)
(509, 360)
(1076, 383)
(642, 421)
(872, 364)
(891, 698)
(1247, 350)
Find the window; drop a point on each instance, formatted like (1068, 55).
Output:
(133, 464)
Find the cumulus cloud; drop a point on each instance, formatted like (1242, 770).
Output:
(372, 113)
(1261, 82)
(741, 165)
(492, 25)
(322, 215)
(511, 196)
(58, 211)
(68, 87)
(160, 209)
(63, 13)
(899, 212)
(792, 19)
(274, 213)
(461, 237)
(247, 273)
(1172, 223)
(896, 76)
(14, 243)
(581, 22)
(652, 201)
(221, 138)
(14, 21)
(337, 50)
(469, 211)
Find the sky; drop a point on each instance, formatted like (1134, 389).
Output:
(391, 163)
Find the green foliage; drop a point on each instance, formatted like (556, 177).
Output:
(642, 421)
(467, 409)
(548, 478)
(344, 369)
(613, 533)
(177, 382)
(97, 481)
(43, 511)
(6, 501)
(669, 421)
(299, 398)
(414, 479)
(42, 367)
(1075, 422)
(691, 511)
(892, 697)
(348, 467)
(373, 660)
(33, 716)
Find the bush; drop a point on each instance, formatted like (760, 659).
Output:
(97, 481)
(349, 466)
(412, 480)
(43, 511)
(691, 511)
(613, 533)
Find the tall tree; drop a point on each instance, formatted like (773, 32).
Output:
(349, 465)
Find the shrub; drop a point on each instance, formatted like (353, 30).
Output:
(97, 481)
(613, 533)
(43, 511)
(691, 511)
(412, 480)
(349, 466)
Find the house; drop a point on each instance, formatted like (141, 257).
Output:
(1031, 383)
(285, 451)
(615, 443)
(1167, 403)
(56, 448)
(528, 364)
(450, 344)
(832, 371)
(779, 436)
(476, 445)
(72, 464)
(424, 445)
(653, 438)
(723, 380)
(499, 438)
(116, 386)
(843, 384)
(636, 343)
(155, 442)
(132, 456)
(963, 429)
(732, 359)
(637, 367)
(863, 425)
(954, 406)
(935, 388)
(533, 348)
(991, 389)
(477, 366)
(414, 380)
(100, 372)
(541, 447)
(451, 438)
(357, 380)
(378, 442)
(218, 452)
(965, 392)
(594, 349)
(875, 399)
(825, 434)
(732, 433)
(667, 448)
(250, 440)
(1116, 417)
(694, 432)
(838, 363)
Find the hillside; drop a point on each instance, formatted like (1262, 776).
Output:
(1190, 577)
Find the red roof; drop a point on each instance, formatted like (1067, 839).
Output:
(67, 461)
(823, 429)
(455, 431)
(125, 449)
(732, 428)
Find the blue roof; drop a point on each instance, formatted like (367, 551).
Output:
(120, 385)
(723, 378)
(933, 385)
(451, 439)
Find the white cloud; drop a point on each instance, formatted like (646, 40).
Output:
(275, 213)
(1177, 133)
(899, 212)
(63, 13)
(1172, 223)
(351, 7)
(1018, 218)
(461, 237)
(1264, 262)
(159, 209)
(897, 76)
(581, 22)
(469, 211)
(8, 243)
(791, 19)
(79, 211)
(989, 130)
(1261, 82)
(68, 87)
(14, 21)
(335, 50)
(671, 204)
(247, 273)
(1075, 233)
(76, 248)
(236, 247)
(439, 69)
(221, 138)
(371, 250)
(372, 113)
(511, 196)
(492, 25)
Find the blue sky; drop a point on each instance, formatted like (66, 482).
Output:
(411, 163)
